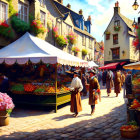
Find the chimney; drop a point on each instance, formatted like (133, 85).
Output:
(89, 18)
(116, 8)
(60, 1)
(69, 6)
(81, 12)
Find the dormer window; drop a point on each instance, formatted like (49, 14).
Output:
(117, 23)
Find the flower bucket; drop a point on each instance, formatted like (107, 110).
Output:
(4, 118)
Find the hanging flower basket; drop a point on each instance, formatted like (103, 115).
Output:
(55, 32)
(117, 28)
(72, 38)
(37, 27)
(75, 49)
(84, 52)
(61, 41)
(136, 41)
(6, 31)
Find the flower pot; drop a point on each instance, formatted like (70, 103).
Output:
(130, 133)
(4, 118)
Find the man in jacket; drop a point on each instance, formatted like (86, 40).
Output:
(76, 87)
(93, 86)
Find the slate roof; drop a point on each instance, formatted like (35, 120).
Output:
(127, 21)
(63, 9)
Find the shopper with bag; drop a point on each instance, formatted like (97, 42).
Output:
(93, 88)
(76, 87)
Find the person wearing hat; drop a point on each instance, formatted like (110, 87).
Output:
(93, 86)
(76, 87)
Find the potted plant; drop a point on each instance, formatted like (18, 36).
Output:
(84, 52)
(61, 41)
(72, 38)
(117, 28)
(6, 107)
(6, 31)
(75, 50)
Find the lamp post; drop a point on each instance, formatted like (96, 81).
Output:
(135, 7)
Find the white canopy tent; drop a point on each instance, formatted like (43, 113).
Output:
(92, 64)
(29, 47)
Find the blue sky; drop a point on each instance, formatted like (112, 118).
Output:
(101, 12)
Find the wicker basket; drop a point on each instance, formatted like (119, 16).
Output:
(130, 133)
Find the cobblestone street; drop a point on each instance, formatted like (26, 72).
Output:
(30, 124)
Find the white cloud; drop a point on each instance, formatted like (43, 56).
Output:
(103, 13)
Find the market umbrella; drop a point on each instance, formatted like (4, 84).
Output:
(135, 66)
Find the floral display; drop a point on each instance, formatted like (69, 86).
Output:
(117, 28)
(18, 25)
(129, 127)
(6, 30)
(84, 52)
(55, 32)
(37, 27)
(136, 41)
(6, 103)
(72, 38)
(61, 40)
(75, 49)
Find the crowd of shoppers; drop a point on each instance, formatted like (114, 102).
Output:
(96, 80)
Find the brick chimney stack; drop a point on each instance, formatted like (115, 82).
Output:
(60, 1)
(116, 8)
(69, 6)
(80, 12)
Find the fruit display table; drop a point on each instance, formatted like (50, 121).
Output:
(42, 99)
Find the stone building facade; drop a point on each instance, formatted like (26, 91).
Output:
(53, 13)
(118, 39)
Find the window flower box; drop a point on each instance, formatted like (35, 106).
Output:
(117, 28)
(6, 31)
(37, 27)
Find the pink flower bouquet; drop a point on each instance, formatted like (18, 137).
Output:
(6, 103)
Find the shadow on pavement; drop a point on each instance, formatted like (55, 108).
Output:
(93, 129)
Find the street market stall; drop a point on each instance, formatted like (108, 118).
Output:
(35, 56)
(134, 98)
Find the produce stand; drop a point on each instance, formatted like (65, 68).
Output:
(134, 98)
(31, 51)
(42, 99)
